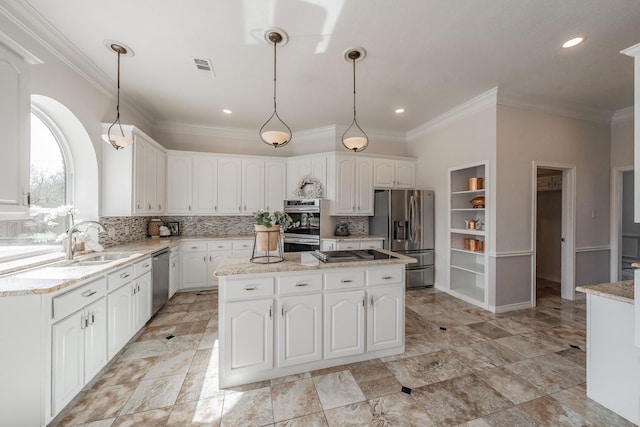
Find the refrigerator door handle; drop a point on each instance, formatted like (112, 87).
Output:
(411, 218)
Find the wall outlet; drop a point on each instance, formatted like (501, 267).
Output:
(112, 232)
(126, 230)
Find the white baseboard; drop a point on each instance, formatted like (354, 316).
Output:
(510, 307)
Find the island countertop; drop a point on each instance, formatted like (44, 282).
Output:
(619, 291)
(298, 261)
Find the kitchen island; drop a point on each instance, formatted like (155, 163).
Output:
(302, 314)
(613, 359)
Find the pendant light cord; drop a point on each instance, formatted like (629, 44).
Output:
(354, 88)
(275, 52)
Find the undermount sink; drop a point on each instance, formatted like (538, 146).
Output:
(105, 258)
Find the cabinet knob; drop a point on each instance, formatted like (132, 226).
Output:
(189, 208)
(240, 208)
(215, 208)
(346, 281)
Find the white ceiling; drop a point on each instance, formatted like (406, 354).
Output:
(426, 56)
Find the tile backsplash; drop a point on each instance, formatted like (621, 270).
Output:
(128, 229)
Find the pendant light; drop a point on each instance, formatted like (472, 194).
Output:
(274, 131)
(354, 137)
(116, 140)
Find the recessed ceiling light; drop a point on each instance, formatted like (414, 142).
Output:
(400, 111)
(226, 111)
(573, 42)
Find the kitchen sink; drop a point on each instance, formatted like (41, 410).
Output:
(105, 257)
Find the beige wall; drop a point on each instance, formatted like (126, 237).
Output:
(622, 139)
(469, 139)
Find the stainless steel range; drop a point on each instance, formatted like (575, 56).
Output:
(314, 222)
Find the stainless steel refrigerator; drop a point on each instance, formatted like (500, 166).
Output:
(405, 218)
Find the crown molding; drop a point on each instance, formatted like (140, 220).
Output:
(205, 130)
(480, 102)
(34, 25)
(632, 51)
(622, 115)
(19, 50)
(575, 111)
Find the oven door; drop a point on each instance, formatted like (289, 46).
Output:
(298, 244)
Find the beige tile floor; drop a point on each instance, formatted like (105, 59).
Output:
(465, 366)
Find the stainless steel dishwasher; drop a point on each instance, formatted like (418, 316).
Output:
(160, 282)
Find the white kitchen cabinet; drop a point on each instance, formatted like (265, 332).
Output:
(201, 258)
(230, 185)
(385, 317)
(253, 185)
(242, 246)
(249, 328)
(161, 182)
(354, 186)
(194, 269)
(275, 181)
(299, 329)
(179, 183)
(391, 173)
(351, 244)
(205, 188)
(175, 270)
(120, 319)
(131, 176)
(15, 118)
(79, 351)
(141, 294)
(310, 165)
(344, 324)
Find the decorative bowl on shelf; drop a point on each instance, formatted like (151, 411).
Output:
(477, 202)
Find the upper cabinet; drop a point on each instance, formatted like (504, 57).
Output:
(353, 186)
(390, 173)
(209, 184)
(314, 165)
(15, 123)
(134, 178)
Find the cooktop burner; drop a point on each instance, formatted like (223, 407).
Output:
(347, 256)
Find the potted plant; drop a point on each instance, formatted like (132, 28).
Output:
(268, 227)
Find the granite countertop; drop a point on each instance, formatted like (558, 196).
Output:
(352, 237)
(297, 261)
(51, 272)
(619, 291)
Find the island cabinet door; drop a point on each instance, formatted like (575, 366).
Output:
(385, 316)
(299, 329)
(248, 336)
(343, 324)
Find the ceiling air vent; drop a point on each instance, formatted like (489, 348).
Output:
(204, 64)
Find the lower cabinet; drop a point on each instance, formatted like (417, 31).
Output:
(343, 324)
(142, 298)
(120, 306)
(200, 259)
(299, 329)
(385, 317)
(79, 351)
(175, 271)
(248, 326)
(194, 270)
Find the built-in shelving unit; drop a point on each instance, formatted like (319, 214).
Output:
(468, 242)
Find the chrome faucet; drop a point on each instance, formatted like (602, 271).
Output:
(71, 244)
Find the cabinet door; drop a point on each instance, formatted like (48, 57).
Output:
(275, 176)
(345, 188)
(15, 107)
(329, 245)
(405, 174)
(120, 319)
(205, 189)
(150, 183)
(229, 186)
(299, 330)
(385, 317)
(178, 184)
(364, 186)
(343, 324)
(174, 275)
(139, 174)
(161, 182)
(194, 270)
(67, 359)
(214, 261)
(248, 336)
(142, 301)
(95, 339)
(253, 185)
(383, 173)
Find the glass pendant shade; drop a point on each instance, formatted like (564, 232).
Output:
(354, 138)
(117, 141)
(275, 131)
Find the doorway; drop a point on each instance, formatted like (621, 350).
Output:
(625, 233)
(553, 227)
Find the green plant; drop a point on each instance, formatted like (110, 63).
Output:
(269, 219)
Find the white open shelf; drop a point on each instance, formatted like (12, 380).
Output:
(469, 231)
(468, 192)
(471, 268)
(467, 210)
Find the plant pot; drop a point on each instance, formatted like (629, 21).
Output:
(267, 237)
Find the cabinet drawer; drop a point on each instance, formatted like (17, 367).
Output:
(385, 276)
(344, 280)
(371, 244)
(349, 245)
(141, 267)
(300, 283)
(119, 278)
(194, 246)
(72, 301)
(247, 288)
(243, 245)
(219, 245)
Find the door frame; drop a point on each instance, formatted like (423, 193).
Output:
(615, 233)
(568, 249)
